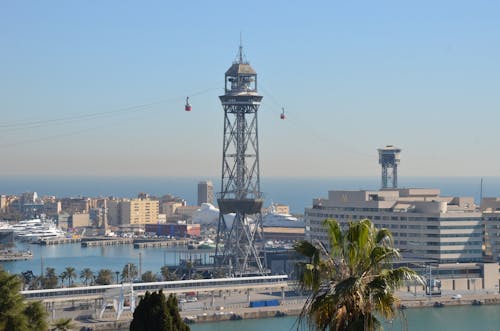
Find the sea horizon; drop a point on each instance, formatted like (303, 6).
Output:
(297, 192)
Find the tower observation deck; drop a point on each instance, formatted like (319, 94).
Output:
(239, 230)
(388, 158)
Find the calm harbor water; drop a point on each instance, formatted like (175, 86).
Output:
(459, 318)
(96, 258)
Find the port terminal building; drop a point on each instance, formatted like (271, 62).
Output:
(445, 233)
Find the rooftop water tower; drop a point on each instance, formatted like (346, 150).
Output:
(388, 158)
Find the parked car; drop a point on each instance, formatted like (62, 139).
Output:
(456, 296)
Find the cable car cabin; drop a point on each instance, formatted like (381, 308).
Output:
(282, 116)
(187, 107)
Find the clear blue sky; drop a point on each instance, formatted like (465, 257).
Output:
(97, 87)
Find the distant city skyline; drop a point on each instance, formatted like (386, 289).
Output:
(98, 88)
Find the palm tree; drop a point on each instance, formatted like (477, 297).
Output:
(86, 274)
(352, 283)
(63, 275)
(129, 272)
(70, 274)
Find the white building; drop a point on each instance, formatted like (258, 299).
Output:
(423, 224)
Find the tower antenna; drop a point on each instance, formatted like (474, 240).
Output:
(241, 49)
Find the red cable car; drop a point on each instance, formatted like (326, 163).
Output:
(187, 107)
(282, 115)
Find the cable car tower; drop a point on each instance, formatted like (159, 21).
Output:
(240, 199)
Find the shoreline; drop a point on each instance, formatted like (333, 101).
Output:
(290, 307)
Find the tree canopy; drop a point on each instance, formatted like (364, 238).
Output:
(156, 313)
(351, 283)
(15, 314)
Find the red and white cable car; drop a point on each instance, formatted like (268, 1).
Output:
(282, 115)
(187, 107)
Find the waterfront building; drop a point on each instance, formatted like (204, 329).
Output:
(205, 192)
(423, 223)
(139, 211)
(490, 207)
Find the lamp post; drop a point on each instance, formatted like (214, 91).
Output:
(117, 273)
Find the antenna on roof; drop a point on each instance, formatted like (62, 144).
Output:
(241, 49)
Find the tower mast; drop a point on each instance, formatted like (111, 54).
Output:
(240, 200)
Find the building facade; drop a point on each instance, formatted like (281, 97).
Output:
(490, 208)
(423, 223)
(205, 192)
(138, 211)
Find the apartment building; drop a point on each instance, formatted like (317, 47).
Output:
(138, 211)
(423, 223)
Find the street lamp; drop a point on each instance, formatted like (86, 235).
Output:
(117, 273)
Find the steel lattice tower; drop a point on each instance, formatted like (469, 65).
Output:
(388, 158)
(240, 195)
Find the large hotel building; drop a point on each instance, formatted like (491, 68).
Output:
(424, 224)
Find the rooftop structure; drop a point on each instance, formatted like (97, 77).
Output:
(388, 158)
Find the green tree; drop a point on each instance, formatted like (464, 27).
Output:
(104, 277)
(15, 315)
(353, 283)
(167, 274)
(63, 324)
(129, 272)
(50, 278)
(70, 274)
(148, 277)
(37, 316)
(86, 275)
(156, 313)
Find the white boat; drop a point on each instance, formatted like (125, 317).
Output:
(274, 219)
(36, 229)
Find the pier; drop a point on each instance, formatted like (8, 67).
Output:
(161, 243)
(6, 256)
(58, 241)
(106, 242)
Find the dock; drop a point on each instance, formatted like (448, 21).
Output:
(15, 256)
(160, 243)
(107, 242)
(58, 241)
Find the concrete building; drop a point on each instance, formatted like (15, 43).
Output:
(423, 223)
(490, 207)
(3, 203)
(169, 208)
(139, 211)
(205, 192)
(78, 220)
(75, 205)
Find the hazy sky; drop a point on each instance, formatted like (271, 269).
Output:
(98, 87)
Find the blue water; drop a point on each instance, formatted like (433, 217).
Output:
(109, 257)
(462, 318)
(296, 192)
